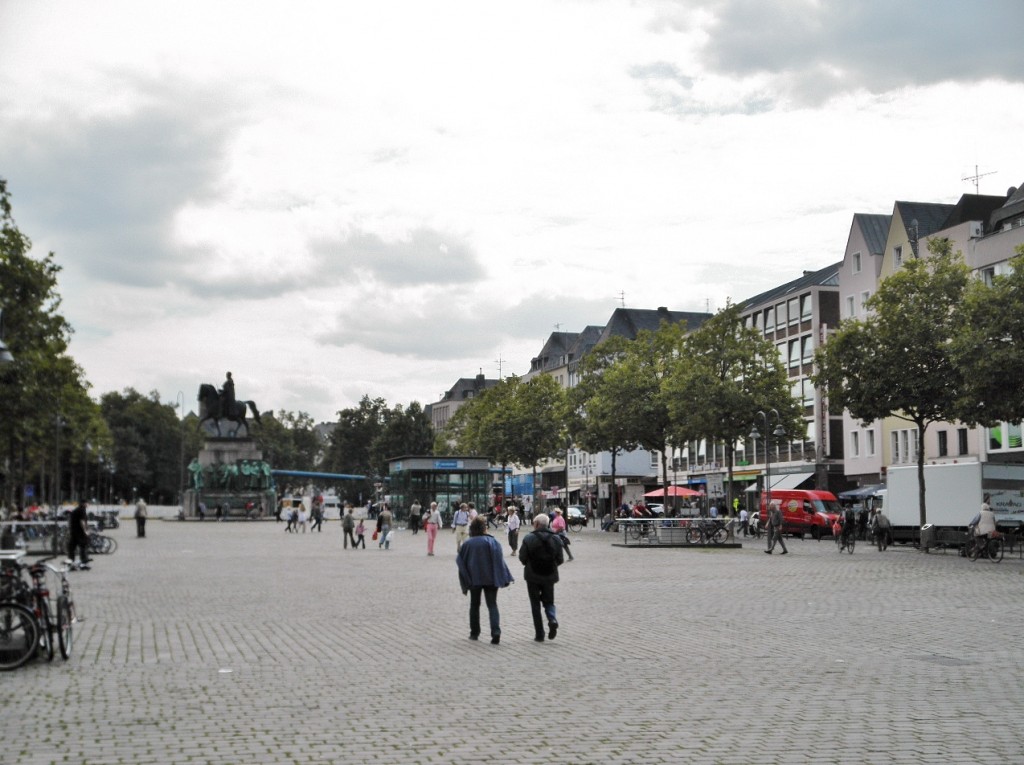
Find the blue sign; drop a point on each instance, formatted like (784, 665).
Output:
(447, 464)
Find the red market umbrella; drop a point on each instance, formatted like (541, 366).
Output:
(674, 491)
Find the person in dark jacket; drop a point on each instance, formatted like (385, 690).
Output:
(78, 536)
(482, 569)
(541, 554)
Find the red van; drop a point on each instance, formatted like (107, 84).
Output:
(804, 511)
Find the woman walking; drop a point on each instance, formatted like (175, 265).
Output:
(482, 570)
(432, 525)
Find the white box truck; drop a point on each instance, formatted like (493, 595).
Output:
(953, 494)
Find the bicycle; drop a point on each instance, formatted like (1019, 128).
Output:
(644, 530)
(19, 635)
(101, 544)
(64, 607)
(846, 541)
(704, 531)
(990, 547)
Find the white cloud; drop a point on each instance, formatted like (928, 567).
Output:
(334, 200)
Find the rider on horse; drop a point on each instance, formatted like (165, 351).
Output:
(227, 395)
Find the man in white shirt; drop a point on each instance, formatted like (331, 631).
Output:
(513, 528)
(460, 525)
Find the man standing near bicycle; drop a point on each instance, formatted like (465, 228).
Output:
(78, 535)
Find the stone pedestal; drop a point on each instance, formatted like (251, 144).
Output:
(235, 477)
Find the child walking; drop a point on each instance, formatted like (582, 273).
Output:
(360, 535)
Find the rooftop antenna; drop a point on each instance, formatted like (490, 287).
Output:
(622, 298)
(976, 177)
(498, 362)
(558, 327)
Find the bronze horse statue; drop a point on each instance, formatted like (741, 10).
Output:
(212, 405)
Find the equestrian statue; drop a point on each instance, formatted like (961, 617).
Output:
(221, 405)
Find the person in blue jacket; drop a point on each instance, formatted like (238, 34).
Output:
(482, 569)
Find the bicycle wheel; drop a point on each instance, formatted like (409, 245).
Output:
(720, 535)
(973, 550)
(109, 545)
(850, 543)
(693, 535)
(575, 526)
(64, 626)
(994, 548)
(635, 530)
(46, 635)
(19, 635)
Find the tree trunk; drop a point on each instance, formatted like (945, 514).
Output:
(920, 471)
(613, 498)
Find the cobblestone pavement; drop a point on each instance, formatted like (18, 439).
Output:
(237, 643)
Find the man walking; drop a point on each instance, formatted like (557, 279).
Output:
(541, 554)
(460, 525)
(513, 528)
(775, 529)
(348, 524)
(140, 518)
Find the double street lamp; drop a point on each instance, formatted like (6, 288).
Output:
(754, 435)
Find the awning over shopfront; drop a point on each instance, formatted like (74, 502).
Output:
(785, 481)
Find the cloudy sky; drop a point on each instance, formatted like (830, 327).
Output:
(333, 199)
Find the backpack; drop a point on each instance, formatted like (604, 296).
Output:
(542, 557)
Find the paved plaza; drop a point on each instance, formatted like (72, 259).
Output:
(238, 643)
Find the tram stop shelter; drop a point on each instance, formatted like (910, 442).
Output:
(445, 480)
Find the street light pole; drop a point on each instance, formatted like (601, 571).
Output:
(181, 456)
(754, 434)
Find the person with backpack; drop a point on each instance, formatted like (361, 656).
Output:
(541, 554)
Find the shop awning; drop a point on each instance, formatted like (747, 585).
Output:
(785, 481)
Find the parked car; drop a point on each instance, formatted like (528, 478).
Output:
(576, 515)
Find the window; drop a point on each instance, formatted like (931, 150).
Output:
(808, 393)
(769, 320)
(856, 262)
(654, 461)
(806, 308)
(855, 444)
(961, 440)
(851, 310)
(783, 357)
(794, 353)
(943, 443)
(794, 311)
(781, 315)
(904, 446)
(864, 301)
(897, 256)
(870, 446)
(757, 320)
(988, 275)
(807, 343)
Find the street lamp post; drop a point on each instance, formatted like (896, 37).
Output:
(181, 456)
(754, 435)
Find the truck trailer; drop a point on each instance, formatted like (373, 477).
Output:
(953, 496)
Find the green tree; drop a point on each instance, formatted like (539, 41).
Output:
(403, 431)
(289, 441)
(989, 348)
(43, 386)
(724, 374)
(147, 449)
(595, 422)
(898, 362)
